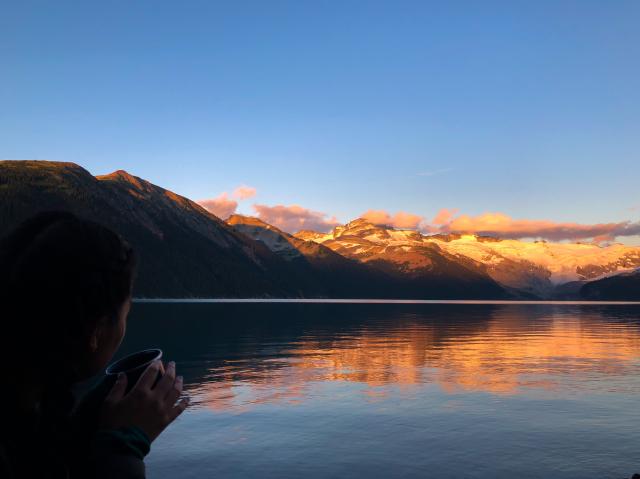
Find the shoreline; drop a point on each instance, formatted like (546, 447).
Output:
(383, 301)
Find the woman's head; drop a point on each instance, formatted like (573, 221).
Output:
(65, 288)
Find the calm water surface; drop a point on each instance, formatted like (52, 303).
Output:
(398, 390)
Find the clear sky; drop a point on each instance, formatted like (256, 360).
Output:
(530, 109)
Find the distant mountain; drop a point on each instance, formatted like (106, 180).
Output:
(185, 251)
(315, 265)
(526, 269)
(343, 276)
(420, 267)
(621, 287)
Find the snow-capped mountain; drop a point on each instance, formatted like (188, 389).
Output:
(281, 243)
(384, 269)
(186, 251)
(536, 268)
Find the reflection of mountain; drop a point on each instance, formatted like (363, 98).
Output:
(277, 353)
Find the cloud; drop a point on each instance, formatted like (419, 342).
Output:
(222, 206)
(503, 226)
(295, 218)
(399, 220)
(444, 216)
(244, 192)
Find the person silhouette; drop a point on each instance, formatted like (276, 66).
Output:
(65, 293)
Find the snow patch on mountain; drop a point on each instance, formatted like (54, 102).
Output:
(277, 241)
(535, 267)
(565, 261)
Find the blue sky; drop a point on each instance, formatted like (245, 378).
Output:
(530, 109)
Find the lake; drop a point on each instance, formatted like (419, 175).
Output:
(289, 390)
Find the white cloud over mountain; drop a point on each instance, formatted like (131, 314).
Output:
(295, 218)
(244, 192)
(222, 206)
(504, 226)
(399, 220)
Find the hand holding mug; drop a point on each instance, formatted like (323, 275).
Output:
(150, 405)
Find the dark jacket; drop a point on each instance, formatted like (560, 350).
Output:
(62, 441)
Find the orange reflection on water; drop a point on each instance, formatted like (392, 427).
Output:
(502, 355)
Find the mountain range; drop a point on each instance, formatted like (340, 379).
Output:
(187, 252)
(536, 269)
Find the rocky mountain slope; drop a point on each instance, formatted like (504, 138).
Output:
(186, 251)
(437, 276)
(403, 255)
(537, 269)
(333, 274)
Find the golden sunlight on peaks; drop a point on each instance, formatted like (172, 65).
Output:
(499, 356)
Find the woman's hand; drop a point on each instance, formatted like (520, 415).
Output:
(151, 408)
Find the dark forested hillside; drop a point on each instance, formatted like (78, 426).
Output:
(184, 250)
(622, 287)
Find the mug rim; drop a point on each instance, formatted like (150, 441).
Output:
(158, 354)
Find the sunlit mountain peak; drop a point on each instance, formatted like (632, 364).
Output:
(123, 175)
(249, 220)
(536, 268)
